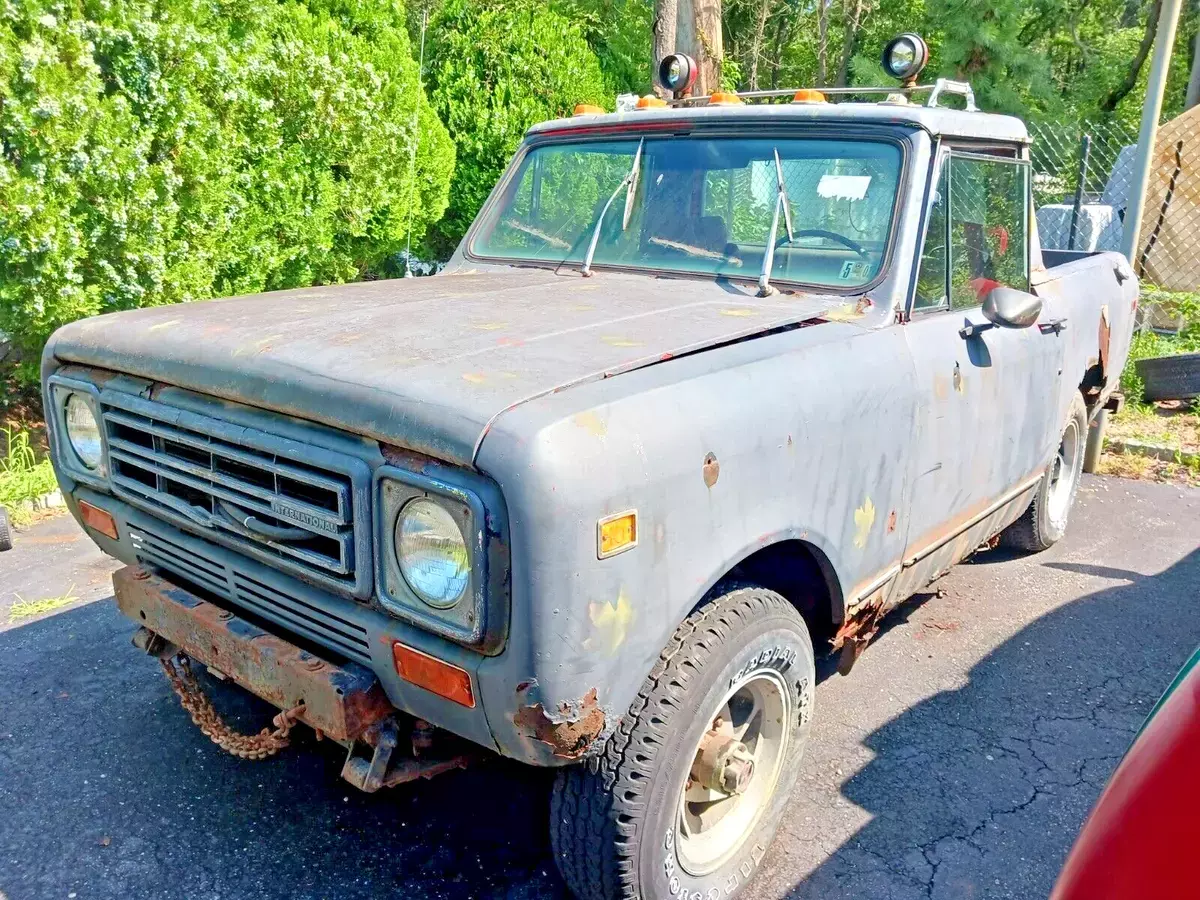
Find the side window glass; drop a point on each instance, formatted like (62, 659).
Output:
(987, 229)
(931, 277)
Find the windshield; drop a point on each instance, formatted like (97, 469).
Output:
(703, 206)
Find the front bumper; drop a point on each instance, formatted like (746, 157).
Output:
(342, 701)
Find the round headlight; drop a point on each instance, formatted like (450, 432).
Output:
(432, 553)
(905, 56)
(83, 431)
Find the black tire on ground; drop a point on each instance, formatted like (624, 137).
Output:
(5, 530)
(1045, 522)
(614, 819)
(1170, 377)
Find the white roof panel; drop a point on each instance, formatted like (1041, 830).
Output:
(935, 120)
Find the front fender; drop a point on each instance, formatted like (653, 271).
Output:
(799, 435)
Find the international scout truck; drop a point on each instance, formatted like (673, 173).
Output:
(709, 386)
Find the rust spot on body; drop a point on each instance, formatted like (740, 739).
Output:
(711, 469)
(568, 730)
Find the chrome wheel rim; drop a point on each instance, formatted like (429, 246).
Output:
(1063, 472)
(714, 822)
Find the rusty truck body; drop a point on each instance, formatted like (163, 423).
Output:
(603, 523)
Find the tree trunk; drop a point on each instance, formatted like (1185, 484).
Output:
(1193, 88)
(666, 16)
(781, 34)
(1119, 93)
(822, 40)
(698, 34)
(756, 44)
(852, 11)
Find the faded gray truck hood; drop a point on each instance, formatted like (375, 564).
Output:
(424, 363)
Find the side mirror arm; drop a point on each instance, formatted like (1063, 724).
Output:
(972, 329)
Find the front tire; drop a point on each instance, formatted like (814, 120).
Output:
(688, 792)
(5, 530)
(1045, 522)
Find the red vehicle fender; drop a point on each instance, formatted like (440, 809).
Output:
(1139, 839)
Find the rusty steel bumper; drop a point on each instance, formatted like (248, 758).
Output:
(342, 701)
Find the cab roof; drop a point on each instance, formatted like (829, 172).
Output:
(937, 121)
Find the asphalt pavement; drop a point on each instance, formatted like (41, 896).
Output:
(957, 760)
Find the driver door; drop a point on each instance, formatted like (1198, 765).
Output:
(989, 402)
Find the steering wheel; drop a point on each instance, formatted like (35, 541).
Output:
(821, 233)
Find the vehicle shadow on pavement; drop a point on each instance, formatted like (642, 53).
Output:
(1014, 760)
(108, 790)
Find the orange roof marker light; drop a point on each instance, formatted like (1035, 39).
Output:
(650, 102)
(808, 95)
(588, 109)
(724, 98)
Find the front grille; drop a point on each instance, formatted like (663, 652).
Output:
(268, 497)
(199, 565)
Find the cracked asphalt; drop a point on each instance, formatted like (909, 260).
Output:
(958, 759)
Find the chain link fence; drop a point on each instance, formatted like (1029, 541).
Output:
(1082, 184)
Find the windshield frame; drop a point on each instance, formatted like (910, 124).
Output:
(896, 135)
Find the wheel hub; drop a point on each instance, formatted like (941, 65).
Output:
(723, 763)
(734, 771)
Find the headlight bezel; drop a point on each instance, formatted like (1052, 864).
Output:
(58, 390)
(479, 619)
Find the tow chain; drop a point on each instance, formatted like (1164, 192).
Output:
(193, 699)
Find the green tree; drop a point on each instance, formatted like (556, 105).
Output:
(494, 69)
(154, 151)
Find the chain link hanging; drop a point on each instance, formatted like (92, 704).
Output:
(193, 699)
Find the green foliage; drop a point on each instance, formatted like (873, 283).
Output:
(618, 31)
(494, 69)
(163, 151)
(22, 475)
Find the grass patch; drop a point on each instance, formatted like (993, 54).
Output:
(29, 609)
(22, 475)
(1174, 423)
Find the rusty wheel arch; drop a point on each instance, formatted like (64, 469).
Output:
(798, 570)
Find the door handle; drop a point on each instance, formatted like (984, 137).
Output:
(1053, 326)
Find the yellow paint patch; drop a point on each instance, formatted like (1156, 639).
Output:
(581, 307)
(611, 621)
(170, 323)
(620, 341)
(864, 518)
(739, 312)
(475, 377)
(489, 326)
(592, 423)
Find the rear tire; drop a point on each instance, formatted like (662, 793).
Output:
(626, 824)
(1045, 522)
(5, 530)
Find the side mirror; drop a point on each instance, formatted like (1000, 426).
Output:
(1011, 308)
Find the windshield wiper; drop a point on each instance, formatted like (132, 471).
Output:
(781, 202)
(628, 184)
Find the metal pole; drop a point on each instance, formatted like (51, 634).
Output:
(1085, 151)
(1164, 42)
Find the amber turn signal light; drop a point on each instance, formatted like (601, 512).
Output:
(97, 519)
(650, 102)
(616, 533)
(433, 674)
(587, 109)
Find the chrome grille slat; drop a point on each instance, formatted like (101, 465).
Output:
(205, 443)
(186, 467)
(193, 564)
(132, 453)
